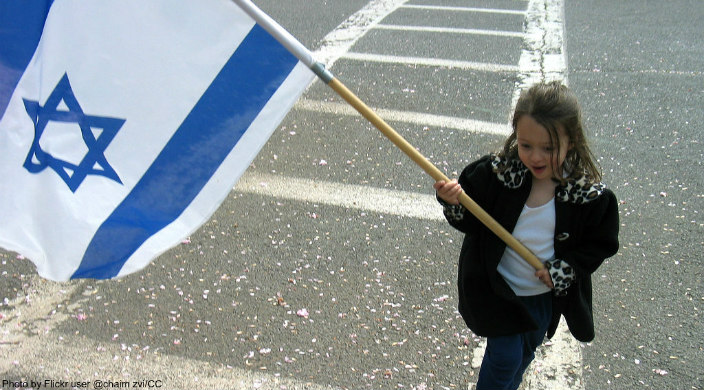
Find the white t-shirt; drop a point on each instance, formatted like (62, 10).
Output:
(536, 230)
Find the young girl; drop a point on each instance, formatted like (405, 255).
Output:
(545, 188)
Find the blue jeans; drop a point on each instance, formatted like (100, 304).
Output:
(507, 357)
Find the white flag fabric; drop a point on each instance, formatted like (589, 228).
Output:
(125, 123)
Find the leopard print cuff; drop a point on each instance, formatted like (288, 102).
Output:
(454, 212)
(562, 275)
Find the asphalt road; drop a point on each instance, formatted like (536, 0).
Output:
(637, 67)
(319, 270)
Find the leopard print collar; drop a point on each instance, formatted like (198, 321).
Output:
(577, 191)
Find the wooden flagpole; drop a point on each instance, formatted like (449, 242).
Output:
(434, 172)
(304, 55)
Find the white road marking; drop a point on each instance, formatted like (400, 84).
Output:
(341, 39)
(404, 203)
(450, 30)
(35, 313)
(425, 61)
(544, 58)
(465, 9)
(557, 365)
(417, 118)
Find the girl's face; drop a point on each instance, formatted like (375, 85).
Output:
(536, 150)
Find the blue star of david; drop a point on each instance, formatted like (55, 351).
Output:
(94, 162)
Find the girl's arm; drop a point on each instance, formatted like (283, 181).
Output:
(473, 179)
(599, 239)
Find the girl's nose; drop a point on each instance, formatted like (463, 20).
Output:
(537, 156)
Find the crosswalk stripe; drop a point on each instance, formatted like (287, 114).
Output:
(450, 30)
(551, 369)
(380, 200)
(341, 39)
(418, 118)
(465, 9)
(457, 64)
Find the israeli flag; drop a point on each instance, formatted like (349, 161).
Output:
(125, 123)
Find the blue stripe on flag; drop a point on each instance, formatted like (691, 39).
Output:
(21, 25)
(194, 153)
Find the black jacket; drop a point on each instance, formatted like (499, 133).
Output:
(586, 233)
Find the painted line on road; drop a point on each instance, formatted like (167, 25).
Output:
(378, 200)
(417, 118)
(554, 365)
(450, 30)
(341, 39)
(544, 58)
(465, 9)
(424, 61)
(75, 356)
(557, 365)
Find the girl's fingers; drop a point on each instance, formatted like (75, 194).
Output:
(448, 191)
(544, 277)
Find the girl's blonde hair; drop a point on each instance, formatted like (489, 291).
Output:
(555, 106)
